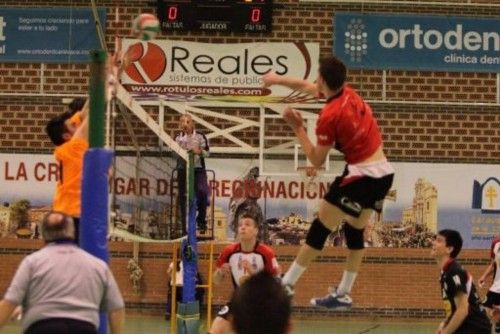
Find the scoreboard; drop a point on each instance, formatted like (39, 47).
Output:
(249, 16)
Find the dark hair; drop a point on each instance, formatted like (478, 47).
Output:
(56, 128)
(453, 239)
(333, 72)
(77, 104)
(260, 305)
(57, 226)
(248, 215)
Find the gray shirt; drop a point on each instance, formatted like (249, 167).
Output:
(188, 142)
(63, 281)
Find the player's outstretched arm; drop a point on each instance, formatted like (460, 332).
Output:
(85, 109)
(487, 272)
(82, 131)
(315, 153)
(308, 87)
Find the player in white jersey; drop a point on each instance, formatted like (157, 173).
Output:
(240, 261)
(493, 295)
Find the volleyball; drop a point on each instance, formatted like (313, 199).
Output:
(146, 27)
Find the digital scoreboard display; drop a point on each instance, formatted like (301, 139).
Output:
(250, 16)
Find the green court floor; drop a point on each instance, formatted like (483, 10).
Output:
(136, 324)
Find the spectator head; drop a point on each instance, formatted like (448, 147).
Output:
(448, 242)
(57, 226)
(332, 73)
(59, 129)
(261, 305)
(77, 104)
(186, 123)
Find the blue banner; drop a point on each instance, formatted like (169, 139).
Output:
(409, 42)
(48, 35)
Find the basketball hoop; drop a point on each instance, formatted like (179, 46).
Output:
(309, 176)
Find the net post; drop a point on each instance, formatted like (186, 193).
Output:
(96, 163)
(97, 98)
(190, 178)
(188, 312)
(173, 293)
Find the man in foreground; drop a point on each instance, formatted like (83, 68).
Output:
(260, 306)
(62, 288)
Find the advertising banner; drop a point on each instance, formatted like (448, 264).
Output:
(425, 198)
(411, 42)
(231, 72)
(48, 35)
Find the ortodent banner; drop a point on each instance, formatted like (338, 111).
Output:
(411, 42)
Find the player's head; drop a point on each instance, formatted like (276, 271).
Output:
(57, 226)
(248, 228)
(332, 73)
(261, 305)
(186, 123)
(77, 104)
(447, 242)
(60, 128)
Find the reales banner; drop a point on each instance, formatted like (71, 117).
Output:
(48, 35)
(202, 71)
(398, 41)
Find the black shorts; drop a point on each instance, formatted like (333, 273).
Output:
(61, 326)
(479, 328)
(492, 298)
(225, 311)
(362, 193)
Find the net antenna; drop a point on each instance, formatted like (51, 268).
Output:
(98, 25)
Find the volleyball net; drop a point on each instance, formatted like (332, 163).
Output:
(148, 184)
(146, 203)
(152, 190)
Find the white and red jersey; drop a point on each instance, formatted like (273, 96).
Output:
(347, 121)
(261, 258)
(495, 256)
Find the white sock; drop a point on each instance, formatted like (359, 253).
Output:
(293, 274)
(346, 283)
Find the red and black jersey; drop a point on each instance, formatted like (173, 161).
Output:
(347, 120)
(492, 248)
(261, 258)
(495, 256)
(455, 279)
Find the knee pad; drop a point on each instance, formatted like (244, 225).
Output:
(354, 237)
(317, 235)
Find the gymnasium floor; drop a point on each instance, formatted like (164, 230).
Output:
(157, 325)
